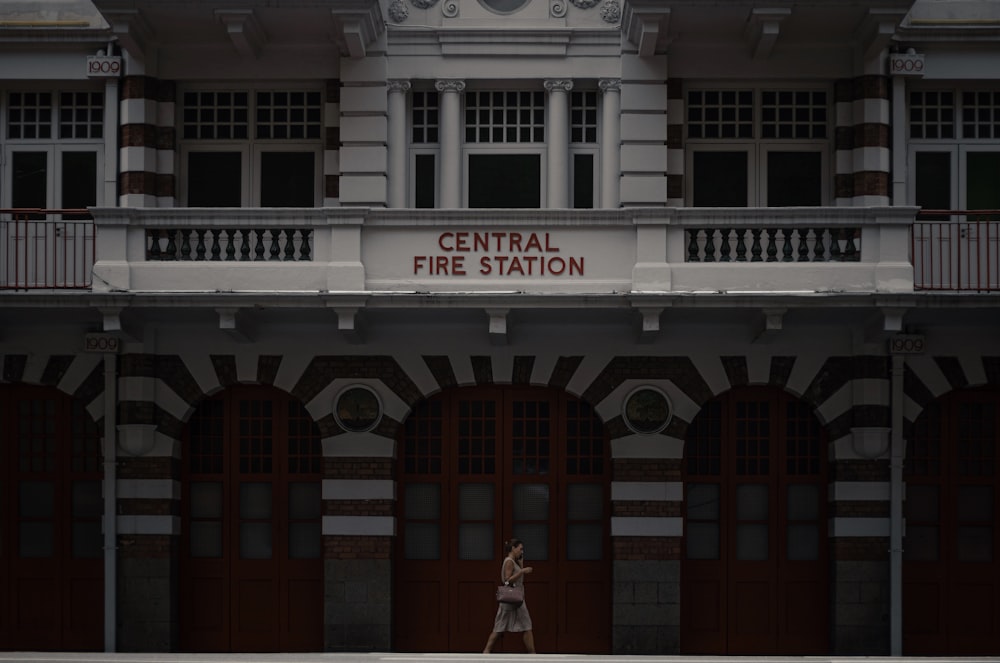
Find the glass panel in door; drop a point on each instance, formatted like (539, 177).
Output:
(721, 179)
(794, 179)
(980, 248)
(287, 179)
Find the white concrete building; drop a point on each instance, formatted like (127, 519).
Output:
(307, 307)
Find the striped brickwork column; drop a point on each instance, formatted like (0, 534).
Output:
(844, 143)
(331, 148)
(166, 144)
(872, 155)
(675, 142)
(138, 140)
(154, 396)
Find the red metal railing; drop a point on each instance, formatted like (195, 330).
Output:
(46, 249)
(956, 250)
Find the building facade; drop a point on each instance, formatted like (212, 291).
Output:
(308, 307)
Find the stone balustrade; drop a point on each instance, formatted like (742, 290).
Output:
(650, 250)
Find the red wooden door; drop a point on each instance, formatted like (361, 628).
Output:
(251, 543)
(477, 467)
(754, 574)
(951, 573)
(52, 571)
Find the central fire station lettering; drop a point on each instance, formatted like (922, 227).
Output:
(497, 254)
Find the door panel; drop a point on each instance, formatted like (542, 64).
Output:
(754, 576)
(951, 588)
(51, 555)
(251, 544)
(497, 463)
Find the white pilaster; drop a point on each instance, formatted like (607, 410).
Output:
(611, 137)
(450, 186)
(397, 142)
(557, 130)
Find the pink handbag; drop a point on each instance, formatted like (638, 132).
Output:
(511, 595)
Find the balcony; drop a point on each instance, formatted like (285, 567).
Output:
(359, 251)
(46, 249)
(957, 250)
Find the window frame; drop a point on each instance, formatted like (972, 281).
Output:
(594, 151)
(758, 148)
(424, 149)
(252, 147)
(54, 174)
(537, 149)
(54, 145)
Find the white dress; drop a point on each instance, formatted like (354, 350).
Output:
(509, 618)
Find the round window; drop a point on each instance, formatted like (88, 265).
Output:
(646, 410)
(504, 6)
(358, 409)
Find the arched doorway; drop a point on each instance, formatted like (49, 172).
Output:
(478, 466)
(754, 576)
(251, 561)
(52, 550)
(951, 572)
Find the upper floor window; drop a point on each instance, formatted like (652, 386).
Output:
(954, 148)
(251, 147)
(504, 147)
(45, 115)
(53, 151)
(757, 147)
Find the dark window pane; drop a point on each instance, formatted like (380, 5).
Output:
(583, 181)
(425, 183)
(287, 179)
(933, 180)
(214, 179)
(29, 179)
(505, 180)
(794, 178)
(983, 177)
(720, 179)
(79, 180)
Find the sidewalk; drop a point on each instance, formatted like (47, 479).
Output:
(389, 657)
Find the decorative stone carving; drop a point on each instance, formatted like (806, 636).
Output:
(611, 12)
(450, 9)
(449, 86)
(610, 84)
(584, 4)
(398, 85)
(557, 8)
(563, 84)
(398, 11)
(424, 4)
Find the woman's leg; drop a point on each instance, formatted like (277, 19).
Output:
(490, 641)
(529, 642)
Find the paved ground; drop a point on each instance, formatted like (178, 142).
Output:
(61, 657)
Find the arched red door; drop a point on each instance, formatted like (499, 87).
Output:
(754, 577)
(478, 466)
(251, 567)
(51, 545)
(951, 550)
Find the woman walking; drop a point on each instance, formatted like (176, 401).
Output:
(509, 618)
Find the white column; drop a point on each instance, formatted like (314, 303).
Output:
(450, 103)
(557, 131)
(397, 142)
(611, 138)
(898, 124)
(111, 133)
